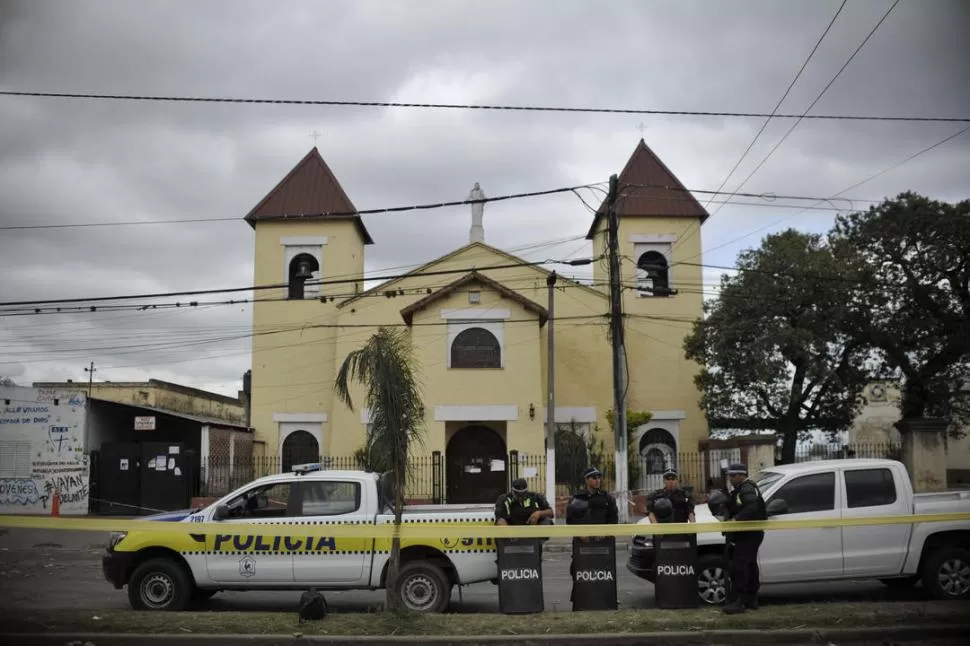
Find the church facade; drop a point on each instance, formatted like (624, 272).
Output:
(478, 322)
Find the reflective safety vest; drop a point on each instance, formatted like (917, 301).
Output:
(519, 511)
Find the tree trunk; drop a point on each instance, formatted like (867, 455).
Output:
(391, 599)
(789, 441)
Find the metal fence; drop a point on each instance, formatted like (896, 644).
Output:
(849, 451)
(701, 471)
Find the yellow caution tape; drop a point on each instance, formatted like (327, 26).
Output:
(444, 530)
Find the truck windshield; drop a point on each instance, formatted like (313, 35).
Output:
(765, 479)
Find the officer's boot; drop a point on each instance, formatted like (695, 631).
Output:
(735, 606)
(751, 601)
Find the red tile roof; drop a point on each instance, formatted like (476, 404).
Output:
(308, 192)
(655, 191)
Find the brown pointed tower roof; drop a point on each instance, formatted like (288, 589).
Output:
(649, 189)
(308, 192)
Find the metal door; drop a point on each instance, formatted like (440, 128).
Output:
(476, 466)
(119, 482)
(165, 477)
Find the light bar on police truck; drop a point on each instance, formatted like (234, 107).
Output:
(307, 468)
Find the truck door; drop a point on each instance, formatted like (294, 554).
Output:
(333, 560)
(804, 554)
(880, 550)
(248, 557)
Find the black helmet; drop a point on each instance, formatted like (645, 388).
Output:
(576, 509)
(717, 501)
(519, 485)
(662, 508)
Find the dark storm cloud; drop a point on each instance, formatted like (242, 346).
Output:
(90, 160)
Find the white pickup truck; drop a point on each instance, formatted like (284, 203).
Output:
(936, 553)
(168, 571)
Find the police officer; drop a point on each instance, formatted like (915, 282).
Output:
(590, 506)
(522, 507)
(681, 501)
(744, 503)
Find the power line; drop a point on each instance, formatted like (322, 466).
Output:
(781, 100)
(817, 99)
(458, 106)
(576, 282)
(301, 216)
(341, 281)
(765, 195)
(836, 195)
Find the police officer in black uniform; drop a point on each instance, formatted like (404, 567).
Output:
(522, 507)
(744, 503)
(681, 501)
(590, 506)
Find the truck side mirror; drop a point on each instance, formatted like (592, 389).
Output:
(222, 511)
(777, 507)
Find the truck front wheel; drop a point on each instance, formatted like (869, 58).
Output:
(946, 573)
(713, 582)
(160, 584)
(423, 587)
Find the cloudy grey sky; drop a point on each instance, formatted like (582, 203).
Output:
(76, 161)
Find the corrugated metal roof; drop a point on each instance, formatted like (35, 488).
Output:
(309, 191)
(211, 421)
(649, 189)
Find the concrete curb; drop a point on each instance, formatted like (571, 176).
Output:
(723, 637)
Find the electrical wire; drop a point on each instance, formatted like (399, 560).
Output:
(459, 106)
(338, 281)
(812, 104)
(837, 195)
(780, 101)
(305, 216)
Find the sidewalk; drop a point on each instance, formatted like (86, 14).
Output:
(952, 634)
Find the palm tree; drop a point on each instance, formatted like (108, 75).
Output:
(385, 366)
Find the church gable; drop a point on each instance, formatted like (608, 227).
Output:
(470, 280)
(476, 257)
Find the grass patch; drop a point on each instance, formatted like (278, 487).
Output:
(825, 615)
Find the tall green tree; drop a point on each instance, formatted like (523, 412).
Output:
(908, 260)
(773, 347)
(386, 367)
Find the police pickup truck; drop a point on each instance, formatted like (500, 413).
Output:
(171, 570)
(935, 553)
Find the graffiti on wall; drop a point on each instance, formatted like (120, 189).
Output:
(42, 442)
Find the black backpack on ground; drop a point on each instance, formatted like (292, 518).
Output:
(313, 606)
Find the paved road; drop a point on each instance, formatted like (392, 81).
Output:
(62, 570)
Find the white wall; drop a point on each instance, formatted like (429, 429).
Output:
(42, 447)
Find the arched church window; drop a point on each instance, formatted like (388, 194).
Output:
(653, 274)
(301, 270)
(476, 348)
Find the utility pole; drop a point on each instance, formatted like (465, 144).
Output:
(619, 352)
(90, 372)
(551, 393)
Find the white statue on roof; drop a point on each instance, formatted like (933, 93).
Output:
(477, 233)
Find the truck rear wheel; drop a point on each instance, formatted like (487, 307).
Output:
(946, 573)
(423, 587)
(160, 584)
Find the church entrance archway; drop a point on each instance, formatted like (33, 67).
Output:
(299, 447)
(475, 469)
(658, 452)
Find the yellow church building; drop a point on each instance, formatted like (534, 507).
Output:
(478, 322)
